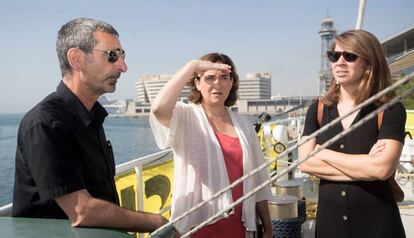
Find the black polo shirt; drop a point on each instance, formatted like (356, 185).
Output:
(61, 148)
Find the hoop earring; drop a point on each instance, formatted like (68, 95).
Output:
(366, 73)
(337, 86)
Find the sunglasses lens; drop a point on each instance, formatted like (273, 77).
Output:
(113, 55)
(333, 56)
(349, 56)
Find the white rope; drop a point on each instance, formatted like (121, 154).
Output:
(293, 166)
(264, 165)
(281, 161)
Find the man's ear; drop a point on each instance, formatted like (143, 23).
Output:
(75, 58)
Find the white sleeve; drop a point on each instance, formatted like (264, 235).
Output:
(164, 137)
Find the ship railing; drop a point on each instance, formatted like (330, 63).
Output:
(371, 115)
(142, 170)
(6, 210)
(141, 162)
(136, 166)
(145, 177)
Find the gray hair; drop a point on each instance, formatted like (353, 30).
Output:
(78, 33)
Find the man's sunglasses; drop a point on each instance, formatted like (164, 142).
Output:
(113, 55)
(334, 56)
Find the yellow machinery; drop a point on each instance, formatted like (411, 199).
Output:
(273, 140)
(146, 184)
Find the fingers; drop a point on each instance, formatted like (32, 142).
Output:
(223, 67)
(315, 149)
(377, 148)
(202, 66)
(380, 145)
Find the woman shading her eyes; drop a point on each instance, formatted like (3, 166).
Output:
(213, 146)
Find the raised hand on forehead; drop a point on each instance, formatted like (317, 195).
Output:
(201, 66)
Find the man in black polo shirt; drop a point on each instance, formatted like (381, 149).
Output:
(64, 164)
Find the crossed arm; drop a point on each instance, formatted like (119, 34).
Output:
(379, 164)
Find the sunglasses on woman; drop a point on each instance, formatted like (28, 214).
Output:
(334, 56)
(113, 55)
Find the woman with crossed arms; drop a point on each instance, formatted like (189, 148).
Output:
(355, 194)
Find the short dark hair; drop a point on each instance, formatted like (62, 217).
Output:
(195, 95)
(78, 33)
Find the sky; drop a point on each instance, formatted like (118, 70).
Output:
(280, 37)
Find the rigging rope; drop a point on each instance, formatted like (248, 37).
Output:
(291, 167)
(372, 99)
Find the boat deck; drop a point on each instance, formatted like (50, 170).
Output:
(12, 227)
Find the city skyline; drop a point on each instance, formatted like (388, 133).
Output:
(159, 37)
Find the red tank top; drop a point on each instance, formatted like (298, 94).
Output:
(231, 226)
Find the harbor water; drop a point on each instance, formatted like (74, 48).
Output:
(131, 138)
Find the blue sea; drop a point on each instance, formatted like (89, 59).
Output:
(130, 137)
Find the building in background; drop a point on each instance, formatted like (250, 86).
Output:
(148, 87)
(255, 86)
(254, 92)
(112, 106)
(327, 34)
(273, 106)
(399, 50)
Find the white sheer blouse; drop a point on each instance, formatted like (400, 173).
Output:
(199, 167)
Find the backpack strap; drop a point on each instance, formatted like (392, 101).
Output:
(396, 189)
(319, 117)
(379, 119)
